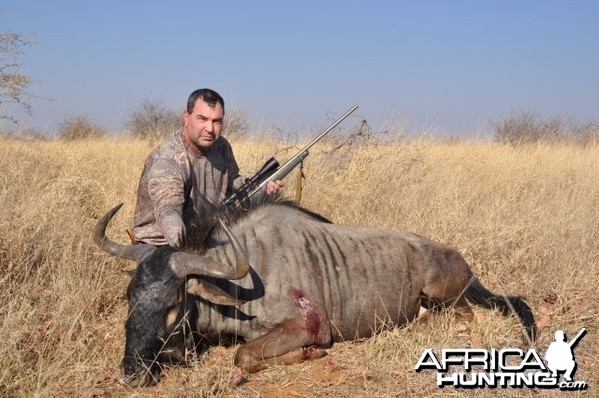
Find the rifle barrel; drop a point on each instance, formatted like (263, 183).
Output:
(300, 155)
(331, 127)
(577, 337)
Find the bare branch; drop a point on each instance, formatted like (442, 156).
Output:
(13, 83)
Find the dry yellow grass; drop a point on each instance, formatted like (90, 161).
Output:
(527, 219)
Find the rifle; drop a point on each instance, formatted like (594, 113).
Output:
(574, 341)
(272, 172)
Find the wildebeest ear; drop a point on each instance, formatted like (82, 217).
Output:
(211, 293)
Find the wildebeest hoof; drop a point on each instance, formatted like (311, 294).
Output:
(239, 380)
(314, 352)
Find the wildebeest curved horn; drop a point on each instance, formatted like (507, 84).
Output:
(212, 293)
(128, 252)
(183, 263)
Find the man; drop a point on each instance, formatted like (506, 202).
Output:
(194, 164)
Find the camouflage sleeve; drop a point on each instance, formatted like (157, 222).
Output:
(166, 186)
(238, 182)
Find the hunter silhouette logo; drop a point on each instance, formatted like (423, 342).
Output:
(560, 355)
(508, 367)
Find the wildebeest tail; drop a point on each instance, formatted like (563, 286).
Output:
(478, 294)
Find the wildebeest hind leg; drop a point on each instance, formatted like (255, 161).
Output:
(448, 292)
(462, 310)
(287, 343)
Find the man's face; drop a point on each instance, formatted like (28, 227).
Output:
(203, 125)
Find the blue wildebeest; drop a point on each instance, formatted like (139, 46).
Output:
(288, 284)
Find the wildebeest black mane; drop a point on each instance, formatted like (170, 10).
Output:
(202, 223)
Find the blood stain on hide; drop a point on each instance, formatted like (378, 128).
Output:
(308, 311)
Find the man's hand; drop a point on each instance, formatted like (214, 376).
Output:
(173, 229)
(274, 186)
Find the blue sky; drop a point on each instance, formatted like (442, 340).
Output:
(446, 66)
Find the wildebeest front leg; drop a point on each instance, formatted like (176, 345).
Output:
(288, 343)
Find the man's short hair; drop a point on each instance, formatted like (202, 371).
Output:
(207, 95)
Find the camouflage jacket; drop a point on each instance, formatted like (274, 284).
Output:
(175, 176)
